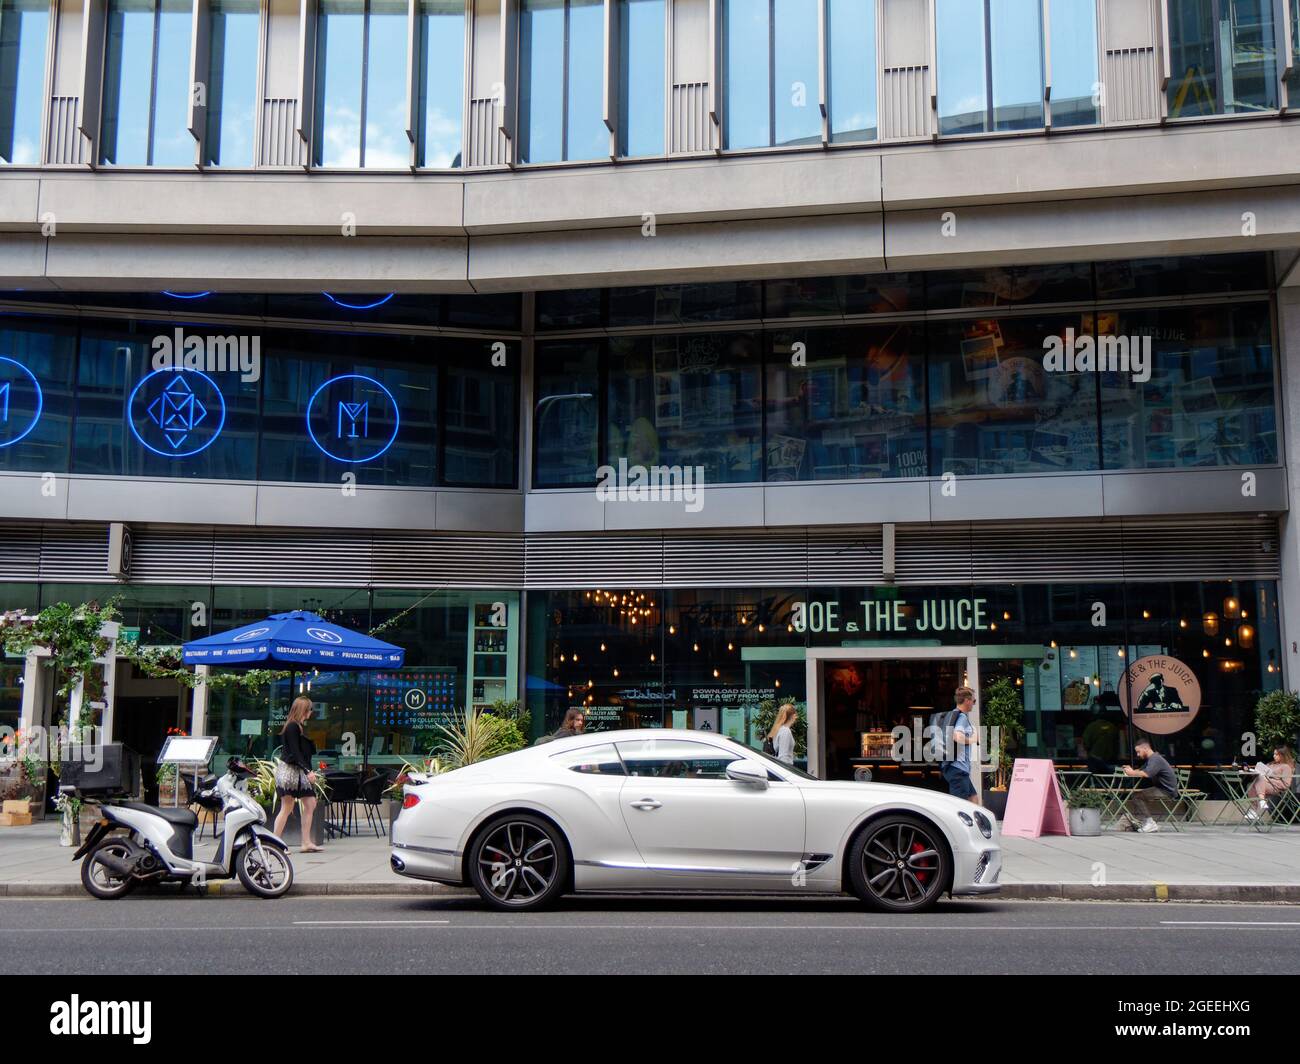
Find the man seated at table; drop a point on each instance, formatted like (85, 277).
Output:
(1161, 787)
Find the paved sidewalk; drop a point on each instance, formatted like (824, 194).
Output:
(1200, 864)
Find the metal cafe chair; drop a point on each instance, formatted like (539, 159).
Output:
(344, 789)
(1191, 797)
(372, 800)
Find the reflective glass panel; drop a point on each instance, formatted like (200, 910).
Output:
(24, 32)
(147, 84)
(963, 91)
(642, 77)
(1016, 52)
(541, 81)
(566, 413)
(232, 85)
(442, 82)
(747, 74)
(1075, 80)
(851, 71)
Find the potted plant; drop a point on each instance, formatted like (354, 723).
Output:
(1003, 716)
(1085, 812)
(69, 809)
(169, 779)
(1277, 720)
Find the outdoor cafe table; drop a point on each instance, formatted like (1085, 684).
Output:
(1072, 779)
(1235, 783)
(1117, 791)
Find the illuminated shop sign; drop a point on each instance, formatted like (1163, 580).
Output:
(176, 413)
(352, 418)
(21, 401)
(893, 615)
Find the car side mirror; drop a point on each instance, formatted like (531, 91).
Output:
(750, 773)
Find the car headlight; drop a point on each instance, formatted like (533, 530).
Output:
(965, 819)
(986, 825)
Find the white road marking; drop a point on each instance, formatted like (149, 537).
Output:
(369, 923)
(1231, 923)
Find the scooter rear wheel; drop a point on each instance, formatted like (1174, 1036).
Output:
(96, 877)
(271, 879)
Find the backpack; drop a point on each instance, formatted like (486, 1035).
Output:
(769, 747)
(940, 726)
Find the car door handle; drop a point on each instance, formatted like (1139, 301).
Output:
(646, 804)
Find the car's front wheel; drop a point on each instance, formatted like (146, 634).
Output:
(519, 862)
(899, 864)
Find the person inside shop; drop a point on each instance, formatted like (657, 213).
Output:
(294, 778)
(1155, 795)
(575, 723)
(1271, 780)
(1099, 743)
(959, 740)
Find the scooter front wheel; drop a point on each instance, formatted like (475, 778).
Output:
(98, 879)
(266, 870)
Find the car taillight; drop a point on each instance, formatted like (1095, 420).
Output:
(410, 801)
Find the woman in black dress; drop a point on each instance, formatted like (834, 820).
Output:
(294, 776)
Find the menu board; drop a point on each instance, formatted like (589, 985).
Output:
(418, 699)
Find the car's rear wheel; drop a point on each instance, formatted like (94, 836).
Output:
(519, 862)
(899, 864)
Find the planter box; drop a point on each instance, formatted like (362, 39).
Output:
(996, 802)
(15, 820)
(1085, 822)
(22, 806)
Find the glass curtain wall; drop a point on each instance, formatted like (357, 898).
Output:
(561, 81)
(147, 84)
(235, 34)
(24, 35)
(771, 73)
(1223, 57)
(361, 85)
(440, 103)
(851, 69)
(989, 65)
(642, 77)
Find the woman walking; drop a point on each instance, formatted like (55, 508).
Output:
(782, 734)
(294, 777)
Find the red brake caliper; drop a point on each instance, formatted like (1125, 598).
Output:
(921, 875)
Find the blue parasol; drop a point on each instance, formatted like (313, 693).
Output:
(293, 639)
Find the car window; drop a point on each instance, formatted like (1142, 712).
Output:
(599, 760)
(675, 759)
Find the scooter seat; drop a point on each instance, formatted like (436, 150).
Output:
(180, 817)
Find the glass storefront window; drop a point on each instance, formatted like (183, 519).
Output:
(370, 407)
(642, 77)
(232, 83)
(1008, 286)
(480, 415)
(441, 83)
(833, 296)
(685, 304)
(690, 401)
(1223, 54)
(855, 410)
(851, 69)
(137, 421)
(37, 360)
(1209, 400)
(24, 33)
(995, 407)
(1076, 82)
(147, 84)
(771, 72)
(361, 85)
(566, 414)
(561, 81)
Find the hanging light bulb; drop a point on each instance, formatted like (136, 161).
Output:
(715, 674)
(696, 647)
(602, 648)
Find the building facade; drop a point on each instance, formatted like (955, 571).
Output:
(664, 358)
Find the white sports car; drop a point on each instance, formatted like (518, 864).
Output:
(655, 810)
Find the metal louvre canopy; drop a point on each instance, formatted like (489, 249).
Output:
(1134, 551)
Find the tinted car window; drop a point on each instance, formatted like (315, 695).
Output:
(675, 759)
(599, 760)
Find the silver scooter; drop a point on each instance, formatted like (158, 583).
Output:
(134, 843)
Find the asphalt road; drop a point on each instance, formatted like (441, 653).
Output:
(600, 935)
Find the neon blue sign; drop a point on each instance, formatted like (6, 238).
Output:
(21, 401)
(352, 419)
(358, 306)
(176, 413)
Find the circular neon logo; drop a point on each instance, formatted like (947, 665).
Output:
(251, 634)
(415, 698)
(324, 635)
(176, 413)
(21, 401)
(352, 418)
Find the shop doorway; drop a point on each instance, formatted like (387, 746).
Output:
(858, 696)
(143, 709)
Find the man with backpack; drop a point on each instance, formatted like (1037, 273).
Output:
(958, 740)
